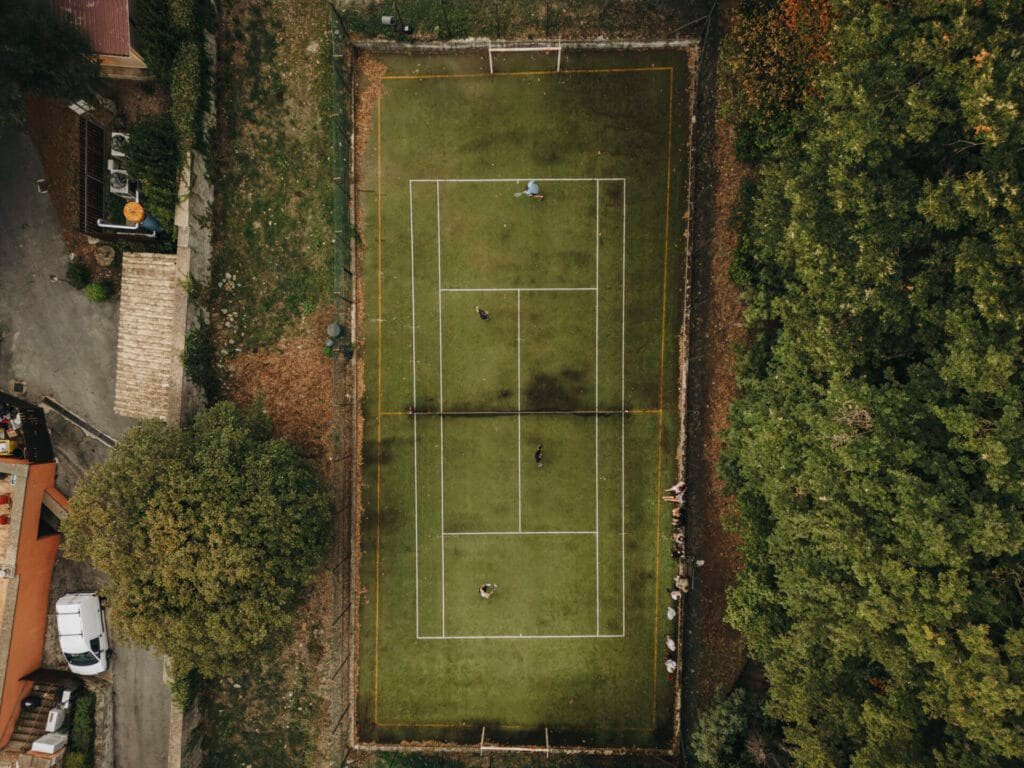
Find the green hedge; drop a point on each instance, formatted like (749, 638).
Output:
(185, 17)
(156, 39)
(197, 359)
(77, 274)
(98, 292)
(82, 738)
(186, 88)
(154, 159)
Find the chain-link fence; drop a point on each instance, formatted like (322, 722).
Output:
(345, 400)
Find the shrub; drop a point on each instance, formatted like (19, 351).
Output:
(98, 292)
(156, 38)
(185, 17)
(717, 736)
(77, 760)
(230, 522)
(186, 86)
(185, 688)
(772, 55)
(154, 159)
(77, 274)
(197, 359)
(44, 53)
(83, 725)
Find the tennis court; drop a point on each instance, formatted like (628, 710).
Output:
(520, 393)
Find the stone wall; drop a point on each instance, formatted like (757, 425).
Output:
(192, 217)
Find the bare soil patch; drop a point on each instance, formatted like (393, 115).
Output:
(723, 656)
(292, 383)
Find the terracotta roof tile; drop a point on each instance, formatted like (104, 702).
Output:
(104, 22)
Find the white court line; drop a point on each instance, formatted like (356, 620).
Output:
(442, 413)
(519, 407)
(532, 178)
(622, 407)
(509, 290)
(524, 413)
(440, 368)
(520, 533)
(519, 637)
(415, 432)
(597, 405)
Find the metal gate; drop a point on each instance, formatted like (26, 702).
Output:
(92, 174)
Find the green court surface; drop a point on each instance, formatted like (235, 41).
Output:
(579, 354)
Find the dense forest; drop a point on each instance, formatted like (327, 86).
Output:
(876, 449)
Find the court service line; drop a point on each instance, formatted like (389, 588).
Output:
(415, 430)
(622, 407)
(519, 408)
(597, 404)
(517, 181)
(380, 401)
(440, 375)
(516, 288)
(587, 412)
(520, 533)
(518, 637)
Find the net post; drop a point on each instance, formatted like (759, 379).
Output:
(558, 64)
(547, 742)
(490, 58)
(483, 732)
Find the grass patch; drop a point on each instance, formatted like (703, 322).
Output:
(582, 292)
(82, 737)
(449, 19)
(273, 239)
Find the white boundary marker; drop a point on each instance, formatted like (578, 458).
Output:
(517, 181)
(622, 414)
(440, 376)
(519, 408)
(519, 533)
(597, 405)
(518, 290)
(415, 419)
(597, 411)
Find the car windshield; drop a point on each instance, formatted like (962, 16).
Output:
(81, 659)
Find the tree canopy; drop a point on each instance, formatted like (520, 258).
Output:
(208, 535)
(877, 445)
(41, 53)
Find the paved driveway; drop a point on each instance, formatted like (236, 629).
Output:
(65, 347)
(53, 338)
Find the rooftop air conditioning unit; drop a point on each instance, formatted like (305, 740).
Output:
(118, 143)
(6, 571)
(119, 184)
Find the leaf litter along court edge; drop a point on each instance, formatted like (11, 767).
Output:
(583, 293)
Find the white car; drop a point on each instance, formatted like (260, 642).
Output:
(82, 628)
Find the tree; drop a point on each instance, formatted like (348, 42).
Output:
(41, 53)
(208, 534)
(876, 447)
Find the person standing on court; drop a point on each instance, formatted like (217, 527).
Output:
(532, 190)
(538, 456)
(483, 314)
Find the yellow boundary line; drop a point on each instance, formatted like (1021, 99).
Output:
(508, 726)
(380, 394)
(661, 403)
(661, 377)
(463, 75)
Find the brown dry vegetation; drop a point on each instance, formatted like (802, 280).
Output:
(722, 656)
(292, 383)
